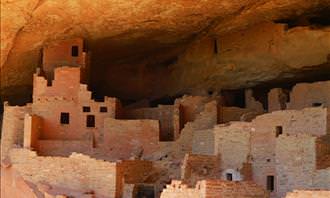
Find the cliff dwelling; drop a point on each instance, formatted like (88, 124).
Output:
(165, 99)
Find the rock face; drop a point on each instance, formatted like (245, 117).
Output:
(155, 48)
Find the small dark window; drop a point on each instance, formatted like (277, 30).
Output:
(103, 109)
(317, 104)
(74, 51)
(270, 183)
(229, 176)
(215, 46)
(279, 130)
(65, 118)
(86, 109)
(90, 121)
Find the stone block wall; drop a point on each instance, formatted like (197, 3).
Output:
(168, 116)
(130, 138)
(60, 53)
(296, 164)
(32, 130)
(63, 148)
(213, 189)
(13, 127)
(310, 94)
(67, 95)
(308, 194)
(309, 120)
(204, 121)
(198, 167)
(232, 142)
(323, 152)
(79, 172)
(179, 190)
(135, 171)
(203, 142)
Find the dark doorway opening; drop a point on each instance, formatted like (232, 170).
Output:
(270, 183)
(144, 191)
(279, 130)
(74, 51)
(229, 176)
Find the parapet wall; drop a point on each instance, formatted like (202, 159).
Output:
(214, 188)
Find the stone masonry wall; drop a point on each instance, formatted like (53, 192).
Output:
(12, 127)
(213, 189)
(232, 142)
(59, 54)
(32, 130)
(130, 138)
(199, 167)
(308, 194)
(296, 164)
(78, 171)
(308, 94)
(168, 116)
(67, 95)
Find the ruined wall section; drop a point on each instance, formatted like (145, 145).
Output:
(205, 120)
(214, 188)
(13, 127)
(78, 171)
(178, 189)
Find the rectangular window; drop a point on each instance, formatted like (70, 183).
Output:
(270, 183)
(103, 109)
(86, 109)
(229, 176)
(279, 130)
(65, 118)
(74, 51)
(317, 104)
(90, 121)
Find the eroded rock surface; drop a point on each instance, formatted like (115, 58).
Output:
(140, 39)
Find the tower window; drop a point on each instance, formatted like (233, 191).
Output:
(229, 176)
(74, 51)
(86, 109)
(65, 118)
(103, 109)
(90, 121)
(279, 130)
(270, 183)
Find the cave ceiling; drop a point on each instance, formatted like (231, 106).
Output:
(155, 48)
